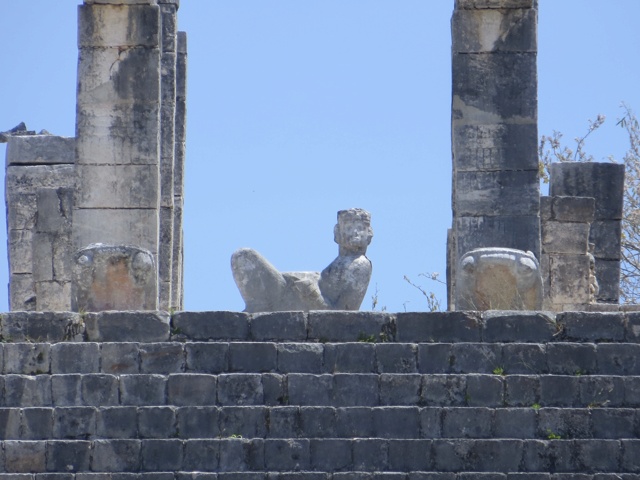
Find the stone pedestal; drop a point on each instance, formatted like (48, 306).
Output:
(494, 128)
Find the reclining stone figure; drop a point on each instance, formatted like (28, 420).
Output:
(340, 286)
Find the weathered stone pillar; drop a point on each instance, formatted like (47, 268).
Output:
(118, 125)
(605, 183)
(496, 196)
(38, 188)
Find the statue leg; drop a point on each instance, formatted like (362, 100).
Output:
(260, 284)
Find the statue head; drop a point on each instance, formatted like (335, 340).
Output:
(353, 231)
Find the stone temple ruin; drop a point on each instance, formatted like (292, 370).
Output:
(92, 392)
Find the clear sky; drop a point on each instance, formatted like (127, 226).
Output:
(299, 109)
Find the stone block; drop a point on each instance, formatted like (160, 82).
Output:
(252, 357)
(330, 455)
(592, 326)
(606, 235)
(287, 454)
(494, 455)
(515, 423)
(68, 456)
(197, 422)
(274, 389)
(569, 279)
(25, 456)
(117, 422)
(191, 389)
(396, 358)
(207, 326)
(573, 209)
(400, 389)
(355, 390)
(517, 232)
(240, 455)
(120, 358)
(354, 422)
(431, 422)
(349, 358)
(369, 454)
(284, 422)
(300, 357)
(20, 251)
(565, 422)
(11, 420)
(162, 358)
(522, 358)
(312, 390)
(291, 326)
(26, 358)
(559, 391)
(613, 422)
(126, 227)
(204, 357)
(54, 210)
(201, 455)
(602, 391)
(410, 456)
(511, 193)
(318, 422)
(600, 455)
(117, 186)
(521, 390)
(475, 357)
(161, 455)
(434, 358)
(564, 237)
(602, 181)
(630, 455)
(27, 391)
(127, 327)
(608, 275)
(438, 327)
(75, 358)
(110, 26)
(53, 296)
(66, 390)
(396, 422)
(571, 358)
(340, 326)
(494, 89)
(23, 212)
(444, 390)
(245, 422)
(490, 147)
(484, 391)
(486, 30)
(479, 4)
(100, 390)
(156, 422)
(40, 149)
(37, 423)
(116, 455)
(27, 179)
(41, 326)
(467, 422)
(142, 389)
(74, 422)
(518, 326)
(114, 278)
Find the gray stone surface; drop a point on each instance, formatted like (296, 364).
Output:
(340, 286)
(498, 279)
(40, 149)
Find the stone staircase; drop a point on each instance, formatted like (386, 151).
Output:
(324, 395)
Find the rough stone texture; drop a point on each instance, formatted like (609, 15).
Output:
(498, 279)
(114, 278)
(340, 286)
(40, 150)
(494, 130)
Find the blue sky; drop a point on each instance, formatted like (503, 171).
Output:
(299, 109)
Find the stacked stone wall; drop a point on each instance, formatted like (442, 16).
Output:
(324, 395)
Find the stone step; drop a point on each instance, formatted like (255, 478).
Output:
(323, 326)
(333, 390)
(83, 423)
(306, 475)
(322, 455)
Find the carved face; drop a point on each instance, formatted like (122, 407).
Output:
(353, 234)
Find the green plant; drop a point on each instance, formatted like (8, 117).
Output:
(433, 302)
(364, 338)
(536, 406)
(552, 436)
(499, 371)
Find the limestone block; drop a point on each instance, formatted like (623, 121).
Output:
(177, 258)
(569, 279)
(573, 209)
(496, 193)
(116, 76)
(545, 272)
(28, 178)
(40, 149)
(493, 89)
(519, 232)
(608, 274)
(103, 25)
(602, 181)
(20, 252)
(546, 209)
(22, 294)
(168, 77)
(62, 250)
(498, 279)
(492, 30)
(55, 207)
(606, 235)
(563, 237)
(110, 277)
(43, 255)
(21, 211)
(169, 26)
(53, 296)
(495, 147)
(117, 186)
(118, 134)
(181, 65)
(471, 4)
(116, 227)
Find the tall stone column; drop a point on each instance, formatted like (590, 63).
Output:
(496, 197)
(118, 125)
